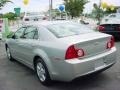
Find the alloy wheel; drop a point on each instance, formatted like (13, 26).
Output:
(41, 72)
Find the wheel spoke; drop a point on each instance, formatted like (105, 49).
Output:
(8, 53)
(41, 72)
(43, 77)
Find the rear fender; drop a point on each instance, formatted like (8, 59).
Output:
(45, 58)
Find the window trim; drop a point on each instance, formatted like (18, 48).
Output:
(36, 28)
(19, 29)
(37, 35)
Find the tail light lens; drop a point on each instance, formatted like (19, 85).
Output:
(26, 19)
(111, 43)
(74, 53)
(101, 28)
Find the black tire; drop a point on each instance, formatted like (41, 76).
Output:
(9, 56)
(47, 81)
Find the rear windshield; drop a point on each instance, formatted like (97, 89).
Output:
(68, 29)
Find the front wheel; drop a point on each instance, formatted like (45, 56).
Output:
(42, 72)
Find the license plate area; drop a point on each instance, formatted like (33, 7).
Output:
(99, 64)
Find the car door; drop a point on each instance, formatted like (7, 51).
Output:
(27, 45)
(15, 43)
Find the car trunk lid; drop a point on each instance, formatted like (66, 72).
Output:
(93, 47)
(91, 43)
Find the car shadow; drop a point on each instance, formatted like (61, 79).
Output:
(23, 67)
(83, 83)
(79, 82)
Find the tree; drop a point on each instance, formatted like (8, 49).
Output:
(10, 16)
(104, 9)
(109, 10)
(74, 7)
(97, 12)
(3, 3)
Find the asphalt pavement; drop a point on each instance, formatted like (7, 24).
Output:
(15, 76)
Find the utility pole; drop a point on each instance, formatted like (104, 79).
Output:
(50, 9)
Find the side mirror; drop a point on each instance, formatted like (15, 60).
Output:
(10, 35)
(13, 37)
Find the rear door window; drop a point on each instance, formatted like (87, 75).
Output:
(19, 33)
(31, 33)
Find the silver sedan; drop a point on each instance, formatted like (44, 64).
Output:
(60, 50)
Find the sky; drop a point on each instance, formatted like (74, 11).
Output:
(43, 5)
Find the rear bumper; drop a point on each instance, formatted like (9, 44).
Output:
(71, 69)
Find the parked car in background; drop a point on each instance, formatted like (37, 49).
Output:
(83, 22)
(34, 16)
(111, 25)
(61, 50)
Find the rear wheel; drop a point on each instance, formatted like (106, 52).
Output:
(42, 72)
(9, 54)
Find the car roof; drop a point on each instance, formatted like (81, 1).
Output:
(46, 23)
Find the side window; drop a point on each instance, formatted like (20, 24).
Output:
(31, 33)
(36, 34)
(19, 33)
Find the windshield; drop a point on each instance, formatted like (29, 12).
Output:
(69, 29)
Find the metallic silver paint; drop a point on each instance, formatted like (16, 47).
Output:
(50, 48)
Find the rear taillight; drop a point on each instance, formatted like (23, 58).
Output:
(26, 19)
(101, 28)
(111, 43)
(74, 53)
